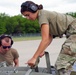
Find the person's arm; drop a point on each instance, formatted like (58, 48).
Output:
(16, 57)
(16, 62)
(46, 40)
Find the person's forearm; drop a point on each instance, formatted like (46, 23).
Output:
(43, 45)
(16, 65)
(16, 62)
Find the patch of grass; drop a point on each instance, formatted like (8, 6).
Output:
(26, 38)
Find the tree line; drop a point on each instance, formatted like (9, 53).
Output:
(18, 24)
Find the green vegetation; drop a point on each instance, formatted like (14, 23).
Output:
(16, 25)
(26, 38)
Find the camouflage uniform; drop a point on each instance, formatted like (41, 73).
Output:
(67, 56)
(60, 24)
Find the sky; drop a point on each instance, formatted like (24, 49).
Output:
(12, 7)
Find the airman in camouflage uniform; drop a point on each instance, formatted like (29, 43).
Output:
(53, 24)
(67, 56)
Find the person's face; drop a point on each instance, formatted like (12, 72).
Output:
(29, 15)
(5, 46)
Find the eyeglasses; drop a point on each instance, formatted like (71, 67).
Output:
(4, 47)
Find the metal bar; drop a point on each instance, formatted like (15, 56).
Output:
(28, 72)
(48, 62)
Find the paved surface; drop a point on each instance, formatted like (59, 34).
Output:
(26, 49)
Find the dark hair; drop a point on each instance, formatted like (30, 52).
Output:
(4, 36)
(30, 6)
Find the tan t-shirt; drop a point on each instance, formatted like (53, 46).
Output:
(58, 23)
(9, 56)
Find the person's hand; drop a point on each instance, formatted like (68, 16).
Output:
(31, 62)
(42, 54)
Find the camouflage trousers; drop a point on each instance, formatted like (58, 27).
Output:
(67, 55)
